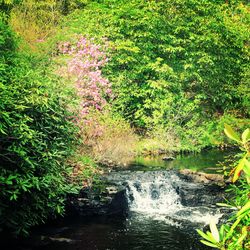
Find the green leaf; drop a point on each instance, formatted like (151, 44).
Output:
(225, 205)
(246, 167)
(213, 240)
(214, 230)
(209, 244)
(233, 227)
(244, 208)
(243, 236)
(246, 135)
(13, 197)
(238, 169)
(222, 231)
(231, 133)
(203, 235)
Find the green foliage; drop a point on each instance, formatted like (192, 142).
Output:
(180, 64)
(108, 138)
(86, 172)
(235, 234)
(213, 132)
(36, 136)
(243, 90)
(35, 21)
(6, 6)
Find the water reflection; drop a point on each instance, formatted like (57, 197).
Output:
(205, 161)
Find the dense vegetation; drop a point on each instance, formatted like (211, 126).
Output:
(176, 65)
(117, 78)
(36, 136)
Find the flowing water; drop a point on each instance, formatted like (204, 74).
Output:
(157, 198)
(158, 218)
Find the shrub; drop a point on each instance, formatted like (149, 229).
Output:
(111, 138)
(106, 136)
(36, 136)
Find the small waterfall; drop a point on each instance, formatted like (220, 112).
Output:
(158, 197)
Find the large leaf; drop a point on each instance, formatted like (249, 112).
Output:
(231, 133)
(244, 208)
(209, 244)
(213, 240)
(246, 167)
(238, 169)
(203, 235)
(222, 231)
(246, 135)
(214, 231)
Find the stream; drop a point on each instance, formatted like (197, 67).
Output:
(164, 211)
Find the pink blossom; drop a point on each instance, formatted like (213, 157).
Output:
(84, 66)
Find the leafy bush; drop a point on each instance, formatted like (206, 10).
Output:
(36, 136)
(235, 234)
(86, 172)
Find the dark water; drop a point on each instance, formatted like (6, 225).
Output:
(135, 232)
(206, 161)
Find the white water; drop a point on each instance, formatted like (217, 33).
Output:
(158, 199)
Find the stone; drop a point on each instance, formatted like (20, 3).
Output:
(200, 177)
(60, 239)
(111, 190)
(91, 202)
(168, 158)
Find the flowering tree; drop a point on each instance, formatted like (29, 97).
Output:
(84, 62)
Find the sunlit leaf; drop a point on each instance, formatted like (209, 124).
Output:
(238, 169)
(233, 227)
(225, 205)
(244, 208)
(243, 235)
(246, 135)
(214, 230)
(231, 133)
(203, 235)
(212, 239)
(246, 167)
(209, 244)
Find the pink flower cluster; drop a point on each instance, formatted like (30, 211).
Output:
(84, 66)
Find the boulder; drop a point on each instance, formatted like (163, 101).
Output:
(168, 158)
(200, 177)
(90, 202)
